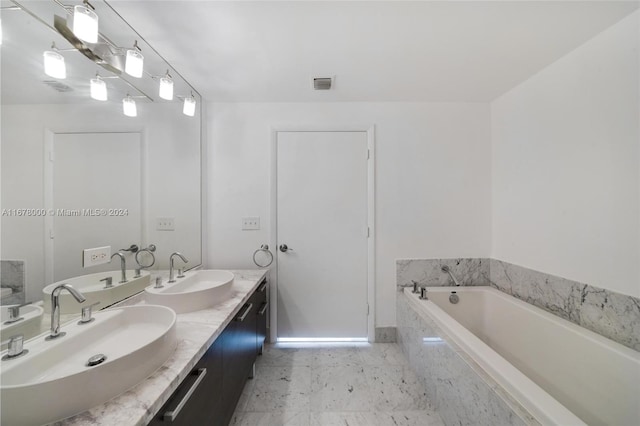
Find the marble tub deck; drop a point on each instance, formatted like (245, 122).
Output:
(334, 384)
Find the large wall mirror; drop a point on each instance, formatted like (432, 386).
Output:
(77, 173)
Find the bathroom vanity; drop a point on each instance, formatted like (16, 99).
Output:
(203, 380)
(209, 394)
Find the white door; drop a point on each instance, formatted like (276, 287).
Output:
(97, 184)
(321, 185)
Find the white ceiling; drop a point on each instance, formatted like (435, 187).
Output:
(377, 51)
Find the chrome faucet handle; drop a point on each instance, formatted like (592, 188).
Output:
(180, 273)
(138, 273)
(415, 287)
(86, 314)
(16, 347)
(108, 282)
(158, 283)
(14, 313)
(423, 293)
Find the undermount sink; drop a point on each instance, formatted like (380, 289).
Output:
(94, 290)
(53, 380)
(197, 290)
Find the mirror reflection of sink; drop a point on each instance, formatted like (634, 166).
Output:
(136, 341)
(93, 289)
(198, 290)
(29, 325)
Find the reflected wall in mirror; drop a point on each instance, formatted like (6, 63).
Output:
(77, 173)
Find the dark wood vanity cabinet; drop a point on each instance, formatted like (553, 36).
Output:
(209, 394)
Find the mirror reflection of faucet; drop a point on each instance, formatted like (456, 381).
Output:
(184, 259)
(123, 266)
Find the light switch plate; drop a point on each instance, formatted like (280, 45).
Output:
(96, 256)
(250, 223)
(165, 224)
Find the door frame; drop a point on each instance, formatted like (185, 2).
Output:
(273, 209)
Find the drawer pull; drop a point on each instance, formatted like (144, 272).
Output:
(246, 312)
(171, 415)
(262, 287)
(263, 309)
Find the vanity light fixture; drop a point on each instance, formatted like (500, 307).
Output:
(85, 22)
(98, 89)
(134, 62)
(129, 107)
(54, 65)
(189, 107)
(166, 87)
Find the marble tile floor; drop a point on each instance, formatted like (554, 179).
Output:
(334, 384)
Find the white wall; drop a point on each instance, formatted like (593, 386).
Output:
(432, 180)
(171, 156)
(565, 165)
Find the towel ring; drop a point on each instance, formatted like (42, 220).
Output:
(149, 250)
(263, 248)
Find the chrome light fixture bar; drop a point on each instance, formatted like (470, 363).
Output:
(85, 22)
(134, 63)
(54, 65)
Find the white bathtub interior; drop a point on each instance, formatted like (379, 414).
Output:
(595, 378)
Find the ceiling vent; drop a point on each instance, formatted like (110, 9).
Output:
(322, 83)
(57, 86)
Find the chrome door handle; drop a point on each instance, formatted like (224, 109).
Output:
(284, 248)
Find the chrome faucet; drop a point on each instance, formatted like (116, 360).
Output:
(184, 259)
(55, 308)
(123, 267)
(447, 270)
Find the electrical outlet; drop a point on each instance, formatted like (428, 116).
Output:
(96, 256)
(165, 224)
(250, 223)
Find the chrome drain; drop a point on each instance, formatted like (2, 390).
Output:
(96, 360)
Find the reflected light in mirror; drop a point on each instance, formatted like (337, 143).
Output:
(129, 107)
(98, 89)
(166, 87)
(134, 63)
(189, 107)
(54, 65)
(85, 24)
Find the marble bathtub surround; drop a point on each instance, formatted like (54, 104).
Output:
(460, 391)
(196, 331)
(428, 272)
(12, 276)
(613, 315)
(334, 384)
(610, 314)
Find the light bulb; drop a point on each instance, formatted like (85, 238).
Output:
(166, 88)
(54, 64)
(98, 89)
(134, 63)
(85, 24)
(129, 107)
(189, 107)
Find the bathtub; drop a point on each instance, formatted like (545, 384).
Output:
(537, 363)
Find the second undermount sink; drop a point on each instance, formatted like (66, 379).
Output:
(197, 290)
(55, 380)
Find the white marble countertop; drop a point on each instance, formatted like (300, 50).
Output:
(196, 332)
